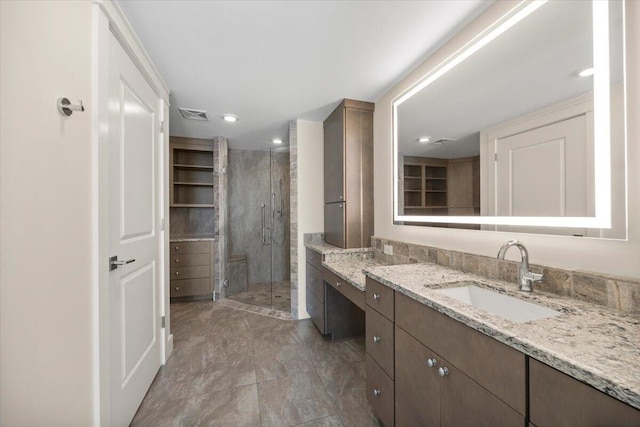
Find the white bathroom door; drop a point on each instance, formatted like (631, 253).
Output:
(135, 329)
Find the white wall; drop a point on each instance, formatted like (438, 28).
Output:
(599, 255)
(46, 282)
(310, 196)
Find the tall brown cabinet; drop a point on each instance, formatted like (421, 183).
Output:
(348, 175)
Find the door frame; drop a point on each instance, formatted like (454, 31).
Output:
(107, 17)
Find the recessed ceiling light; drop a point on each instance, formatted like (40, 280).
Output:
(424, 139)
(230, 118)
(586, 72)
(276, 141)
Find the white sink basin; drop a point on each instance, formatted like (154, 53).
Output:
(510, 308)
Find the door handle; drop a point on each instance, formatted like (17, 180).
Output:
(114, 263)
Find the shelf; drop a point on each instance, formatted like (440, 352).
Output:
(426, 207)
(413, 191)
(201, 184)
(187, 205)
(193, 167)
(435, 191)
(412, 177)
(435, 178)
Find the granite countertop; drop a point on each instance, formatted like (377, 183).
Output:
(325, 248)
(593, 344)
(351, 270)
(185, 238)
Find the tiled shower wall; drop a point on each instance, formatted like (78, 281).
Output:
(618, 293)
(220, 162)
(293, 217)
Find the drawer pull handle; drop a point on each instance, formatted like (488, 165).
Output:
(377, 392)
(177, 273)
(177, 260)
(443, 372)
(376, 339)
(431, 362)
(313, 280)
(312, 307)
(376, 296)
(177, 248)
(177, 288)
(338, 284)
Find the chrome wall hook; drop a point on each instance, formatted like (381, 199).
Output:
(66, 108)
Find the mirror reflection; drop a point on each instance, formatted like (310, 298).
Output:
(510, 130)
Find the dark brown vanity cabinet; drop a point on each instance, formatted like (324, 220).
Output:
(379, 313)
(315, 290)
(443, 373)
(472, 379)
(556, 399)
(192, 274)
(348, 174)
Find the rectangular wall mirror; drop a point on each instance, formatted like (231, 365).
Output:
(523, 129)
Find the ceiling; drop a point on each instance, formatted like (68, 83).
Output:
(270, 62)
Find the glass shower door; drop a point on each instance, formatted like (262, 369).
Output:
(258, 268)
(280, 234)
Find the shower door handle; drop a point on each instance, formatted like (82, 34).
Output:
(265, 230)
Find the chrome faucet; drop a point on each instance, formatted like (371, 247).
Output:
(526, 277)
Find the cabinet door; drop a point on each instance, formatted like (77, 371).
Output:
(464, 403)
(556, 399)
(334, 224)
(417, 385)
(334, 157)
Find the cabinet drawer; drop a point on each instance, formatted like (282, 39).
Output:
(352, 293)
(314, 282)
(379, 333)
(190, 247)
(495, 366)
(190, 287)
(556, 399)
(314, 258)
(380, 298)
(190, 272)
(187, 260)
(380, 392)
(315, 308)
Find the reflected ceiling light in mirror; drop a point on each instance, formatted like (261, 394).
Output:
(587, 72)
(231, 118)
(276, 141)
(424, 139)
(602, 149)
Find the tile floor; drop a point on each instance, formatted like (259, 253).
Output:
(235, 368)
(276, 296)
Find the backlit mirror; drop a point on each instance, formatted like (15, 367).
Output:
(522, 129)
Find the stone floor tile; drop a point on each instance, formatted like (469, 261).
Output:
(235, 407)
(293, 400)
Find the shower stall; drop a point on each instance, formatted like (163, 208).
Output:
(258, 268)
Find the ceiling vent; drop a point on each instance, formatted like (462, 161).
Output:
(191, 114)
